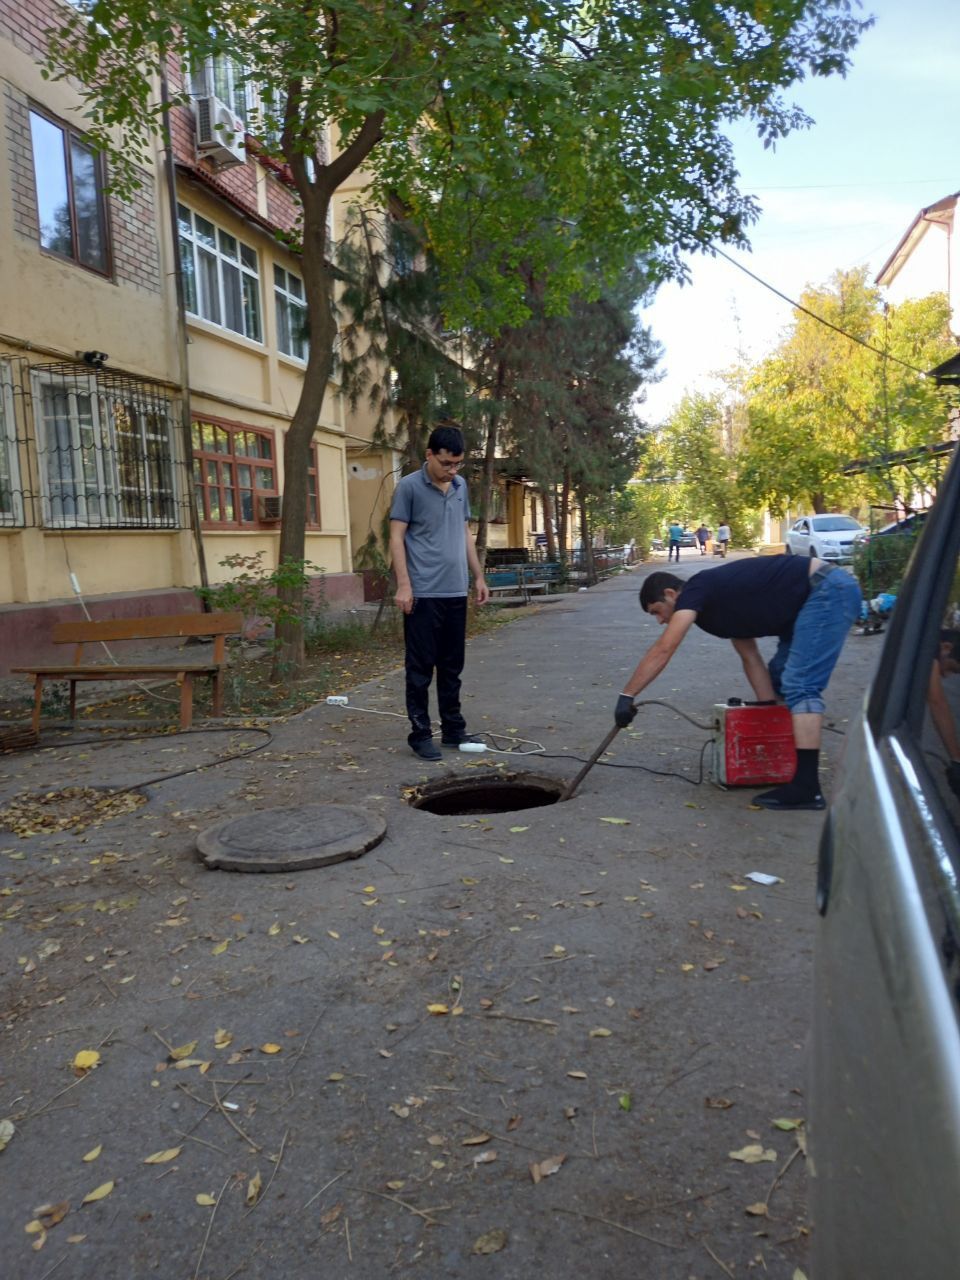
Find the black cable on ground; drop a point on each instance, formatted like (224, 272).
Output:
(179, 773)
(659, 773)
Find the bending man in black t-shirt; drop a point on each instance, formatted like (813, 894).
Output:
(807, 604)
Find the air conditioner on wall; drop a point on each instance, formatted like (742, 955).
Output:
(219, 133)
(269, 508)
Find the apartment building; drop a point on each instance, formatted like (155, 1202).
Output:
(112, 496)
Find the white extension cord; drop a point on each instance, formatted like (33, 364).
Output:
(473, 748)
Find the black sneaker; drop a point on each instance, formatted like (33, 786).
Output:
(449, 741)
(426, 749)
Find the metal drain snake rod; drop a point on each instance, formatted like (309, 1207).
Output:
(571, 787)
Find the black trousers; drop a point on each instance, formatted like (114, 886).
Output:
(434, 633)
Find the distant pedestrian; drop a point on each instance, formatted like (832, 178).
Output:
(703, 537)
(434, 556)
(723, 538)
(674, 534)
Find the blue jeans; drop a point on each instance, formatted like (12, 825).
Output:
(801, 667)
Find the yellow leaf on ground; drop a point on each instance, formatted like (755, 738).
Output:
(333, 933)
(86, 1059)
(754, 1154)
(438, 1008)
(335, 1076)
(617, 822)
(600, 1033)
(92, 1155)
(253, 1189)
(274, 929)
(222, 1038)
(577, 1075)
(758, 1210)
(204, 1199)
(163, 1157)
(220, 948)
(475, 1140)
(100, 1193)
(184, 1051)
(270, 1048)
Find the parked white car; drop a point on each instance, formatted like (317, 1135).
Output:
(828, 537)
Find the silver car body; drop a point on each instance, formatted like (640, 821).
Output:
(828, 537)
(885, 1087)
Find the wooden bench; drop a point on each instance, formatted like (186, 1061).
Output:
(543, 577)
(506, 585)
(217, 625)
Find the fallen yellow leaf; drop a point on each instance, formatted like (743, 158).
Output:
(184, 1051)
(86, 1059)
(577, 1075)
(204, 1199)
(270, 1048)
(253, 1189)
(438, 1008)
(163, 1157)
(92, 1155)
(222, 1038)
(220, 948)
(274, 929)
(100, 1193)
(600, 1033)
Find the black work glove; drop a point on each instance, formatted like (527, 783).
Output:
(626, 710)
(953, 777)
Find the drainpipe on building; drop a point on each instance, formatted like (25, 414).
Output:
(186, 417)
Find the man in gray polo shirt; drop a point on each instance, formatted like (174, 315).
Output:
(433, 550)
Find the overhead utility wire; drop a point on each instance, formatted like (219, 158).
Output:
(798, 306)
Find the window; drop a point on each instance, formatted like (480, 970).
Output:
(291, 314)
(106, 456)
(222, 77)
(313, 490)
(232, 465)
(11, 497)
(70, 204)
(221, 278)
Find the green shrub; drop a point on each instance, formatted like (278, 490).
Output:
(880, 562)
(256, 594)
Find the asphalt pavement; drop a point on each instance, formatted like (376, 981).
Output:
(560, 1040)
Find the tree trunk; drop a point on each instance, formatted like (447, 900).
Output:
(548, 525)
(819, 504)
(586, 542)
(489, 464)
(563, 513)
(288, 658)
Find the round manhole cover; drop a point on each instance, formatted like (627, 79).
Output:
(314, 835)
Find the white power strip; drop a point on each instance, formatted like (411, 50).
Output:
(338, 700)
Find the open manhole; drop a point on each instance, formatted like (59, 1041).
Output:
(487, 793)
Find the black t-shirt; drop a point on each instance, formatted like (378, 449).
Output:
(749, 598)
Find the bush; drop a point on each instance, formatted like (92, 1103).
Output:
(880, 562)
(255, 593)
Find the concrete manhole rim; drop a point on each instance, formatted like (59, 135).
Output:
(364, 830)
(493, 783)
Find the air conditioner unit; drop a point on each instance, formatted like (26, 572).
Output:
(269, 508)
(219, 133)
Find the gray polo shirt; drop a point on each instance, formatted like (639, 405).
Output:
(435, 540)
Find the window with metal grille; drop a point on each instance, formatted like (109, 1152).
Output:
(232, 465)
(291, 304)
(221, 275)
(106, 452)
(11, 499)
(71, 210)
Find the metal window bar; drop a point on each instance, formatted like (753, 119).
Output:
(82, 447)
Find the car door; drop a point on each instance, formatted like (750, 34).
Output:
(885, 1081)
(800, 538)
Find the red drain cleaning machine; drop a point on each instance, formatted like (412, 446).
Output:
(752, 744)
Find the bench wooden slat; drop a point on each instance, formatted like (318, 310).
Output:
(154, 628)
(172, 626)
(111, 671)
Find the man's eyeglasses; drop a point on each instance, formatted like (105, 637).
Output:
(451, 466)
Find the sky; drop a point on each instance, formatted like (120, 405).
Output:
(885, 144)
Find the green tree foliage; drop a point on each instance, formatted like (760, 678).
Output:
(820, 401)
(527, 131)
